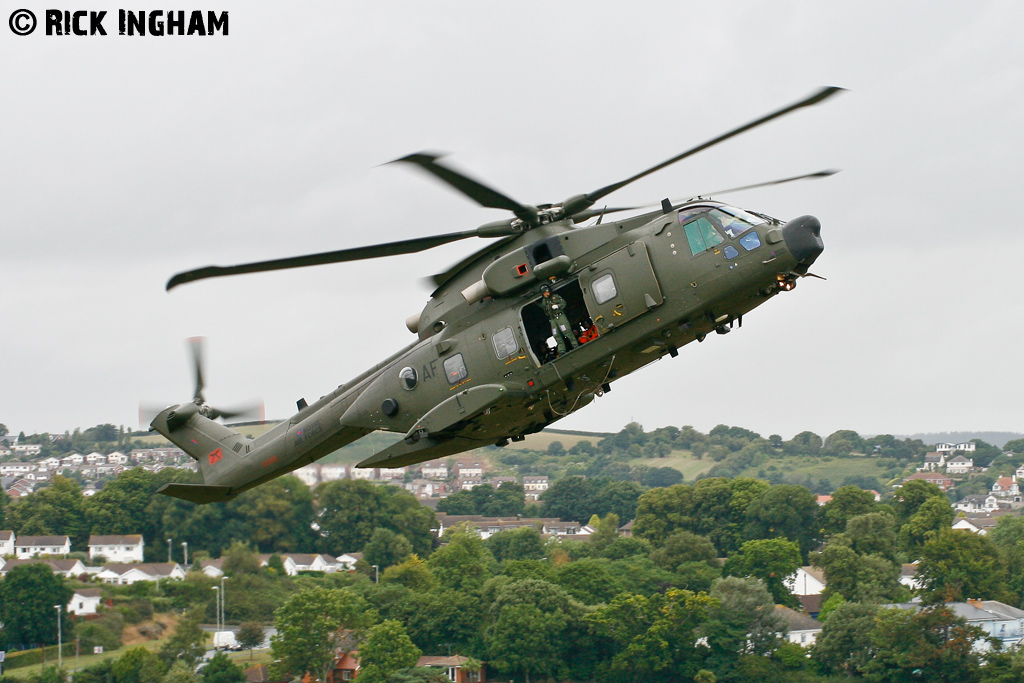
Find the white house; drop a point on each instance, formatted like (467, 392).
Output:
(85, 601)
(959, 464)
(425, 488)
(978, 503)
(65, 568)
(116, 548)
(468, 469)
(392, 473)
(333, 472)
(933, 462)
(73, 460)
(17, 469)
(27, 449)
(803, 630)
(117, 458)
(1006, 487)
(534, 485)
(308, 562)
(367, 473)
(308, 474)
(34, 546)
(951, 447)
(976, 525)
(996, 619)
(126, 574)
(908, 576)
(806, 581)
(6, 543)
(95, 458)
(468, 483)
(213, 568)
(434, 470)
(50, 463)
(347, 562)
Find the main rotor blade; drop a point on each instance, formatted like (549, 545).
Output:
(813, 99)
(196, 343)
(474, 189)
(358, 253)
(820, 174)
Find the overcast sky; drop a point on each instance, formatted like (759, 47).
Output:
(127, 159)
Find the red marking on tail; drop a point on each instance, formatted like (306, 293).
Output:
(215, 456)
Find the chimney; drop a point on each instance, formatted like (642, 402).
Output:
(975, 603)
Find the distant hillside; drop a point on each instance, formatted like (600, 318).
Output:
(997, 439)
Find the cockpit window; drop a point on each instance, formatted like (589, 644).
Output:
(750, 241)
(735, 221)
(687, 214)
(701, 235)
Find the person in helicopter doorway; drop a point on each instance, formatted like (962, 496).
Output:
(561, 330)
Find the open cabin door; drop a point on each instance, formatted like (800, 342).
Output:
(620, 287)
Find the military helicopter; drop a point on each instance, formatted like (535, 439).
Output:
(523, 332)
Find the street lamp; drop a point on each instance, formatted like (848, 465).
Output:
(216, 618)
(223, 602)
(376, 573)
(60, 648)
(169, 542)
(184, 544)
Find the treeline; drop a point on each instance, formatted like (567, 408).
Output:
(104, 438)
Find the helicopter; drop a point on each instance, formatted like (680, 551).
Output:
(523, 332)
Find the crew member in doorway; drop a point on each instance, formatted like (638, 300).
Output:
(561, 330)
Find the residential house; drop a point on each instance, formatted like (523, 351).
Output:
(333, 472)
(495, 482)
(425, 488)
(66, 568)
(116, 548)
(464, 469)
(85, 601)
(941, 480)
(806, 581)
(434, 470)
(34, 546)
(392, 473)
(309, 562)
(959, 464)
(6, 543)
(212, 568)
(95, 458)
(73, 460)
(467, 483)
(803, 630)
(933, 462)
(125, 574)
(367, 473)
(50, 464)
(287, 562)
(17, 469)
(953, 447)
(5, 452)
(1007, 488)
(998, 620)
(908, 576)
(27, 450)
(978, 503)
(347, 561)
(346, 667)
(823, 498)
(976, 525)
(308, 474)
(488, 526)
(534, 485)
(117, 458)
(454, 667)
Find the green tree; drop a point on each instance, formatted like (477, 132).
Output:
(386, 548)
(847, 502)
(188, 643)
(772, 561)
(137, 665)
(745, 619)
(844, 645)
(661, 476)
(588, 581)
(843, 442)
(957, 565)
(857, 577)
(911, 496)
(250, 635)
(926, 645)
(220, 669)
(656, 636)
(180, 672)
(58, 509)
(387, 649)
(524, 543)
(804, 443)
(932, 517)
(463, 563)
(239, 558)
(309, 628)
(785, 511)
(413, 574)
(27, 596)
(570, 498)
(349, 510)
(683, 547)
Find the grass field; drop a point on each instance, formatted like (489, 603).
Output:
(683, 461)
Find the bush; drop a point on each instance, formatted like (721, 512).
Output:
(105, 631)
(134, 611)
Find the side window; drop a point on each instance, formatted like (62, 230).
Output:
(455, 369)
(731, 252)
(750, 241)
(505, 342)
(604, 288)
(702, 235)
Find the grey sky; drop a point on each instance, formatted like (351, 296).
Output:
(125, 160)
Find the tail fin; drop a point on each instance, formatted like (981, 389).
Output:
(213, 446)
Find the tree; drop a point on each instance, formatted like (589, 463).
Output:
(911, 496)
(744, 620)
(57, 509)
(180, 672)
(27, 596)
(682, 547)
(350, 510)
(413, 574)
(804, 443)
(462, 563)
(250, 635)
(387, 649)
(309, 628)
(386, 548)
(587, 580)
(932, 517)
(656, 636)
(772, 561)
(661, 476)
(927, 645)
(844, 645)
(137, 665)
(220, 669)
(188, 643)
(524, 543)
(857, 577)
(847, 502)
(957, 565)
(570, 498)
(785, 511)
(843, 442)
(240, 559)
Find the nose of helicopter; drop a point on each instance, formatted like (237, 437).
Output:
(803, 238)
